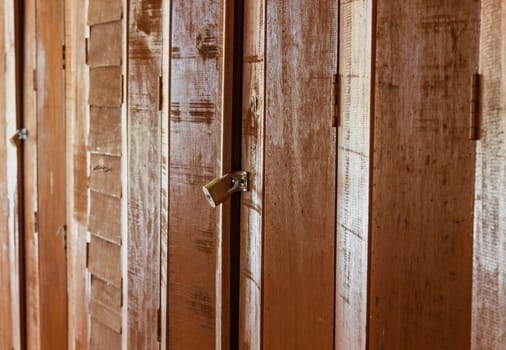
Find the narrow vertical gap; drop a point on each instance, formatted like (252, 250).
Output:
(19, 47)
(336, 214)
(235, 215)
(372, 112)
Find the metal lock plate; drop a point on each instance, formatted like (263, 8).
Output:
(221, 188)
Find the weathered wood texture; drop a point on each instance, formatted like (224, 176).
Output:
(103, 337)
(355, 64)
(194, 151)
(30, 190)
(253, 105)
(7, 327)
(51, 173)
(489, 287)
(423, 176)
(299, 176)
(144, 150)
(105, 59)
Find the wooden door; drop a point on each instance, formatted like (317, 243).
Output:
(289, 147)
(49, 75)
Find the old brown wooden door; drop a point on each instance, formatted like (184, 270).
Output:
(289, 147)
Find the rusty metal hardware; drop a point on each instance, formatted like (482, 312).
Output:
(19, 135)
(221, 188)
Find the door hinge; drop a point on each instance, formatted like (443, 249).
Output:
(159, 324)
(63, 55)
(35, 222)
(336, 121)
(34, 72)
(160, 93)
(64, 231)
(86, 50)
(474, 107)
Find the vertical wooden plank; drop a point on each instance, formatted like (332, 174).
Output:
(76, 81)
(51, 171)
(355, 63)
(489, 282)
(6, 321)
(421, 248)
(30, 180)
(144, 168)
(253, 125)
(194, 151)
(299, 176)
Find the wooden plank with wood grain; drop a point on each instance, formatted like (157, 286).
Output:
(299, 176)
(30, 179)
(105, 174)
(100, 11)
(105, 216)
(105, 44)
(354, 113)
(253, 124)
(102, 337)
(144, 172)
(194, 152)
(7, 328)
(104, 260)
(105, 130)
(423, 175)
(105, 292)
(107, 315)
(106, 86)
(489, 281)
(51, 173)
(77, 83)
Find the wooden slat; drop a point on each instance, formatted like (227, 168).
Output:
(104, 260)
(299, 174)
(355, 63)
(105, 87)
(104, 292)
(105, 217)
(144, 129)
(105, 174)
(423, 175)
(102, 337)
(102, 11)
(77, 83)
(30, 180)
(105, 130)
(489, 283)
(194, 151)
(105, 44)
(51, 173)
(105, 314)
(6, 325)
(253, 102)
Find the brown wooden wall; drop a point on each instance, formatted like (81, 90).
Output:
(489, 284)
(423, 175)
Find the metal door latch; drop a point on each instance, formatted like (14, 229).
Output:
(19, 135)
(221, 188)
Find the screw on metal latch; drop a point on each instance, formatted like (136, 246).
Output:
(19, 135)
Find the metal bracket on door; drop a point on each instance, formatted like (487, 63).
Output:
(221, 188)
